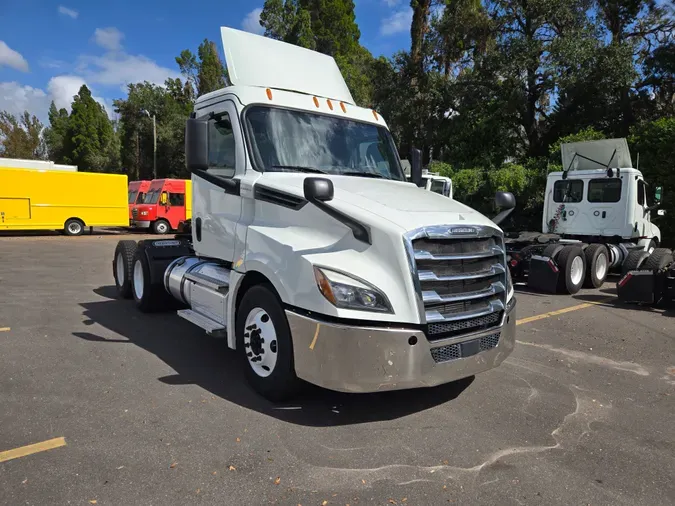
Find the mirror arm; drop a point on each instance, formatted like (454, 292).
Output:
(501, 216)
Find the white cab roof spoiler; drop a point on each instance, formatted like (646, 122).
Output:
(590, 155)
(254, 60)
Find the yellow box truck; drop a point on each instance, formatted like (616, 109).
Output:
(60, 200)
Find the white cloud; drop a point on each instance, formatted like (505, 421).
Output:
(109, 38)
(17, 98)
(119, 69)
(391, 3)
(68, 12)
(251, 22)
(12, 58)
(398, 22)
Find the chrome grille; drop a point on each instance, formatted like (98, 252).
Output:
(461, 279)
(454, 351)
(134, 212)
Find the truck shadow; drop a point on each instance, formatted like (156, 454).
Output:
(207, 362)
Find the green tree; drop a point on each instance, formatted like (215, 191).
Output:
(89, 134)
(55, 134)
(21, 137)
(654, 141)
(205, 72)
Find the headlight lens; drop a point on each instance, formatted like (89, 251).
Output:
(509, 285)
(348, 293)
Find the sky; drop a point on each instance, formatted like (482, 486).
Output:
(48, 49)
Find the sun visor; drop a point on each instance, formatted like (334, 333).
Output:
(254, 60)
(610, 153)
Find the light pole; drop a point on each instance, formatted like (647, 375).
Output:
(154, 142)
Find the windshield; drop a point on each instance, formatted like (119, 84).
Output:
(151, 197)
(132, 197)
(295, 141)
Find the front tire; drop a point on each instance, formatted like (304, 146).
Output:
(73, 227)
(161, 227)
(634, 261)
(265, 345)
(123, 265)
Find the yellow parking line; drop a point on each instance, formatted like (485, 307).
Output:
(5, 329)
(561, 311)
(31, 449)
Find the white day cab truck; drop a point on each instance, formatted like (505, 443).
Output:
(596, 220)
(313, 259)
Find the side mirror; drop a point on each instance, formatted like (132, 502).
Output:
(657, 193)
(318, 189)
(507, 203)
(197, 144)
(416, 166)
(164, 198)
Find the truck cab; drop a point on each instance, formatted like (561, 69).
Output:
(137, 191)
(310, 253)
(165, 206)
(599, 194)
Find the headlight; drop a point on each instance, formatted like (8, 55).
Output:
(509, 285)
(144, 213)
(348, 293)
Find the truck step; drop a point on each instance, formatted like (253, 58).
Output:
(202, 279)
(210, 326)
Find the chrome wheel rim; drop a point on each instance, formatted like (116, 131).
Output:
(138, 280)
(119, 269)
(577, 270)
(74, 227)
(162, 228)
(260, 342)
(601, 266)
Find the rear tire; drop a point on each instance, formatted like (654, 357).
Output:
(123, 264)
(149, 297)
(265, 345)
(597, 265)
(161, 227)
(659, 259)
(572, 263)
(634, 261)
(73, 227)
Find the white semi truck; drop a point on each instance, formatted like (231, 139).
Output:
(310, 253)
(596, 219)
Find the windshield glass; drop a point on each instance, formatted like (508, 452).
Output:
(296, 141)
(132, 197)
(151, 197)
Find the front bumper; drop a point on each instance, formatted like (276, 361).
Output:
(369, 359)
(140, 224)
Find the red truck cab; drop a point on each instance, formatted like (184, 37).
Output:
(137, 191)
(167, 204)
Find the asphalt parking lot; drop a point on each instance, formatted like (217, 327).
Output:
(128, 408)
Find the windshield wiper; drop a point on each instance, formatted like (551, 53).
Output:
(300, 168)
(363, 174)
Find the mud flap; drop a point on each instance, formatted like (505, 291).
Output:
(543, 274)
(637, 287)
(161, 253)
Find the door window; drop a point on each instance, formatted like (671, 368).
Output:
(604, 190)
(568, 190)
(177, 199)
(641, 192)
(437, 186)
(221, 146)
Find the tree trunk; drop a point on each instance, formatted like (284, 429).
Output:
(418, 29)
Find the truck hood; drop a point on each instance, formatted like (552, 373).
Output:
(399, 202)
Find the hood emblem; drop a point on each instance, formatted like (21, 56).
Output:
(463, 230)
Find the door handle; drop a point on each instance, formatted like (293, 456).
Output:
(604, 213)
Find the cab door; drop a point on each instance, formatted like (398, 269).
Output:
(607, 207)
(216, 200)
